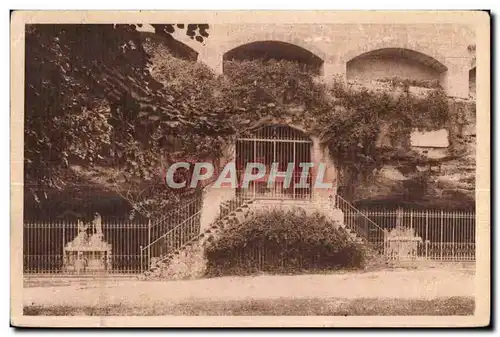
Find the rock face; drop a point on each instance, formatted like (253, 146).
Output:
(436, 170)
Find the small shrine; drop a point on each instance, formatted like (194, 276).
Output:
(88, 253)
(402, 242)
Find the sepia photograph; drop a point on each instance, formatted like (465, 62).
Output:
(300, 168)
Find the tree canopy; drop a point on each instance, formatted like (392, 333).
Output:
(92, 100)
(88, 88)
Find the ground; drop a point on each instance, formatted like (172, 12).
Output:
(395, 292)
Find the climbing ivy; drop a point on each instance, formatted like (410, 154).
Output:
(358, 119)
(349, 120)
(260, 89)
(196, 112)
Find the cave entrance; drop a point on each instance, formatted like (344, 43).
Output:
(281, 149)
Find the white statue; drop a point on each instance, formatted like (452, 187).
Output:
(81, 238)
(97, 236)
(97, 225)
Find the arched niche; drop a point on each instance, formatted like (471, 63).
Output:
(395, 62)
(276, 50)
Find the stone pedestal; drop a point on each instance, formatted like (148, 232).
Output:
(402, 244)
(87, 256)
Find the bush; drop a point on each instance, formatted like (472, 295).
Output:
(281, 241)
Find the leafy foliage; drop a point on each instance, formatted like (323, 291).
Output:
(289, 241)
(397, 81)
(86, 85)
(92, 101)
(197, 32)
(349, 121)
(353, 126)
(259, 89)
(125, 108)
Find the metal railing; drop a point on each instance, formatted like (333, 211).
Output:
(361, 224)
(410, 235)
(279, 189)
(184, 213)
(399, 235)
(427, 234)
(275, 146)
(171, 241)
(49, 247)
(185, 232)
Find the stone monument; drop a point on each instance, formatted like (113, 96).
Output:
(88, 254)
(402, 243)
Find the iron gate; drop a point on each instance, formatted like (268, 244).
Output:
(286, 148)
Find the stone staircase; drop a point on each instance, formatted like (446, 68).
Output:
(189, 262)
(359, 226)
(352, 234)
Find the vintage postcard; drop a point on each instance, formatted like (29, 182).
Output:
(243, 168)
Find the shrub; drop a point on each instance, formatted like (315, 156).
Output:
(279, 241)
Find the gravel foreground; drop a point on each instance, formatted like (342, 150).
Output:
(406, 292)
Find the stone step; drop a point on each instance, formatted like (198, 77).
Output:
(178, 257)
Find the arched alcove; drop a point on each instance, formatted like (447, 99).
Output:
(279, 146)
(394, 62)
(276, 50)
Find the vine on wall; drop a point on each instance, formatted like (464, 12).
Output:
(358, 119)
(348, 120)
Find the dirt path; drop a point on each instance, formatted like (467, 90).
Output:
(418, 284)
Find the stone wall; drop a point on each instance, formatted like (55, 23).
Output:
(427, 52)
(337, 44)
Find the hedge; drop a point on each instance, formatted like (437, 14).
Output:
(280, 241)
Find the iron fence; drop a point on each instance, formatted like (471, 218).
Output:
(48, 248)
(399, 235)
(278, 148)
(426, 234)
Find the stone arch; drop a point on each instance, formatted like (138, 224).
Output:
(411, 46)
(279, 121)
(290, 49)
(409, 59)
(395, 62)
(276, 35)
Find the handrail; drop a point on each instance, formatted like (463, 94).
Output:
(358, 211)
(176, 210)
(170, 231)
(181, 234)
(362, 225)
(173, 211)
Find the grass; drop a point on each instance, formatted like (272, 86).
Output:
(277, 307)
